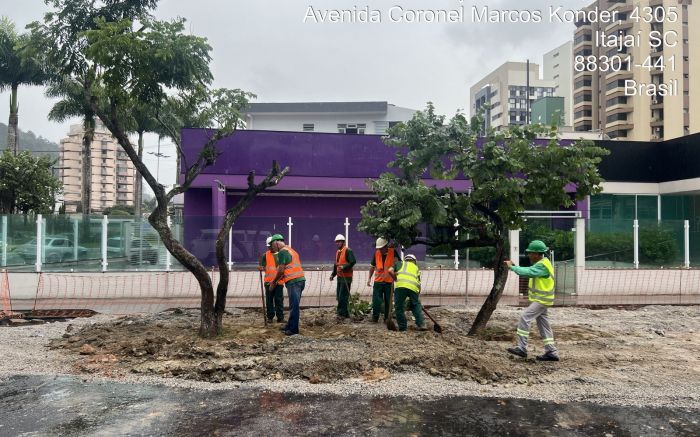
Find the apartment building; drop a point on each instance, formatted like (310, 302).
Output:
(113, 173)
(502, 94)
(330, 117)
(603, 101)
(556, 67)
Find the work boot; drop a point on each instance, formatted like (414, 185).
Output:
(270, 320)
(517, 351)
(280, 320)
(422, 328)
(549, 356)
(288, 332)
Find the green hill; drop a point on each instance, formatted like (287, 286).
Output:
(29, 141)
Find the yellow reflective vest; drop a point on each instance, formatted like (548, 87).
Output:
(408, 277)
(542, 289)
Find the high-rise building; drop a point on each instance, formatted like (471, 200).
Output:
(556, 67)
(502, 94)
(625, 52)
(112, 171)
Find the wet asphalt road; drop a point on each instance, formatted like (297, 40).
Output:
(67, 406)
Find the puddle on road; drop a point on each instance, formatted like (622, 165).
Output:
(63, 405)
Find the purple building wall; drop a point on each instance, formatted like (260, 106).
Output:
(326, 183)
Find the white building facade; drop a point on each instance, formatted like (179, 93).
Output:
(502, 94)
(370, 118)
(556, 67)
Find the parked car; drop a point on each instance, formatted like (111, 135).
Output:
(143, 250)
(116, 247)
(56, 249)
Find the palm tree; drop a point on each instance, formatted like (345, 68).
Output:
(144, 120)
(73, 104)
(16, 68)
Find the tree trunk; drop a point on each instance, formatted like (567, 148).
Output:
(12, 132)
(138, 180)
(500, 276)
(86, 195)
(210, 323)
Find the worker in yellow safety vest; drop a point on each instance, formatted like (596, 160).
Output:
(541, 297)
(407, 286)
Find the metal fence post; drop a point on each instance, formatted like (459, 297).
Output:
(230, 248)
(456, 239)
(347, 231)
(686, 238)
(75, 239)
(4, 241)
(289, 231)
(168, 260)
(635, 227)
(514, 238)
(105, 223)
(39, 242)
(579, 250)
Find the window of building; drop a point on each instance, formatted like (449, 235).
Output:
(307, 127)
(622, 116)
(352, 128)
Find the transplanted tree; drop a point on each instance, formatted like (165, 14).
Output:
(510, 171)
(153, 63)
(16, 68)
(27, 184)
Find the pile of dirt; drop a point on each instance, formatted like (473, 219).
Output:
(166, 344)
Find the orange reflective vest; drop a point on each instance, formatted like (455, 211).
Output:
(340, 259)
(381, 272)
(292, 270)
(270, 267)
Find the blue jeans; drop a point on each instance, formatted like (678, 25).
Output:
(294, 291)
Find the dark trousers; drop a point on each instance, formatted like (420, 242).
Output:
(294, 291)
(342, 295)
(400, 296)
(274, 302)
(381, 293)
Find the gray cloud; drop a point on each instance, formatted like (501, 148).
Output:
(264, 47)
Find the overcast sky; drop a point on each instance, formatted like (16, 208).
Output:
(263, 46)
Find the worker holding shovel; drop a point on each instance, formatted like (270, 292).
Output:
(383, 267)
(342, 268)
(407, 287)
(541, 297)
(274, 298)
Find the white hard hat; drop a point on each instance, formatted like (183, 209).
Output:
(410, 256)
(340, 237)
(268, 241)
(381, 242)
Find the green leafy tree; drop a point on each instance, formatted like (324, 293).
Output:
(16, 68)
(508, 171)
(27, 184)
(141, 62)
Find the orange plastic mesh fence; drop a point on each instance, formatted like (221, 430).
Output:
(140, 292)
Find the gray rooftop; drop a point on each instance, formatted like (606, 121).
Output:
(318, 107)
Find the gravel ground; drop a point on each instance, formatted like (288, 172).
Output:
(646, 357)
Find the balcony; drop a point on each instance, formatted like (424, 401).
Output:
(657, 103)
(657, 122)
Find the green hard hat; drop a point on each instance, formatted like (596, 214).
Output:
(276, 237)
(537, 246)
